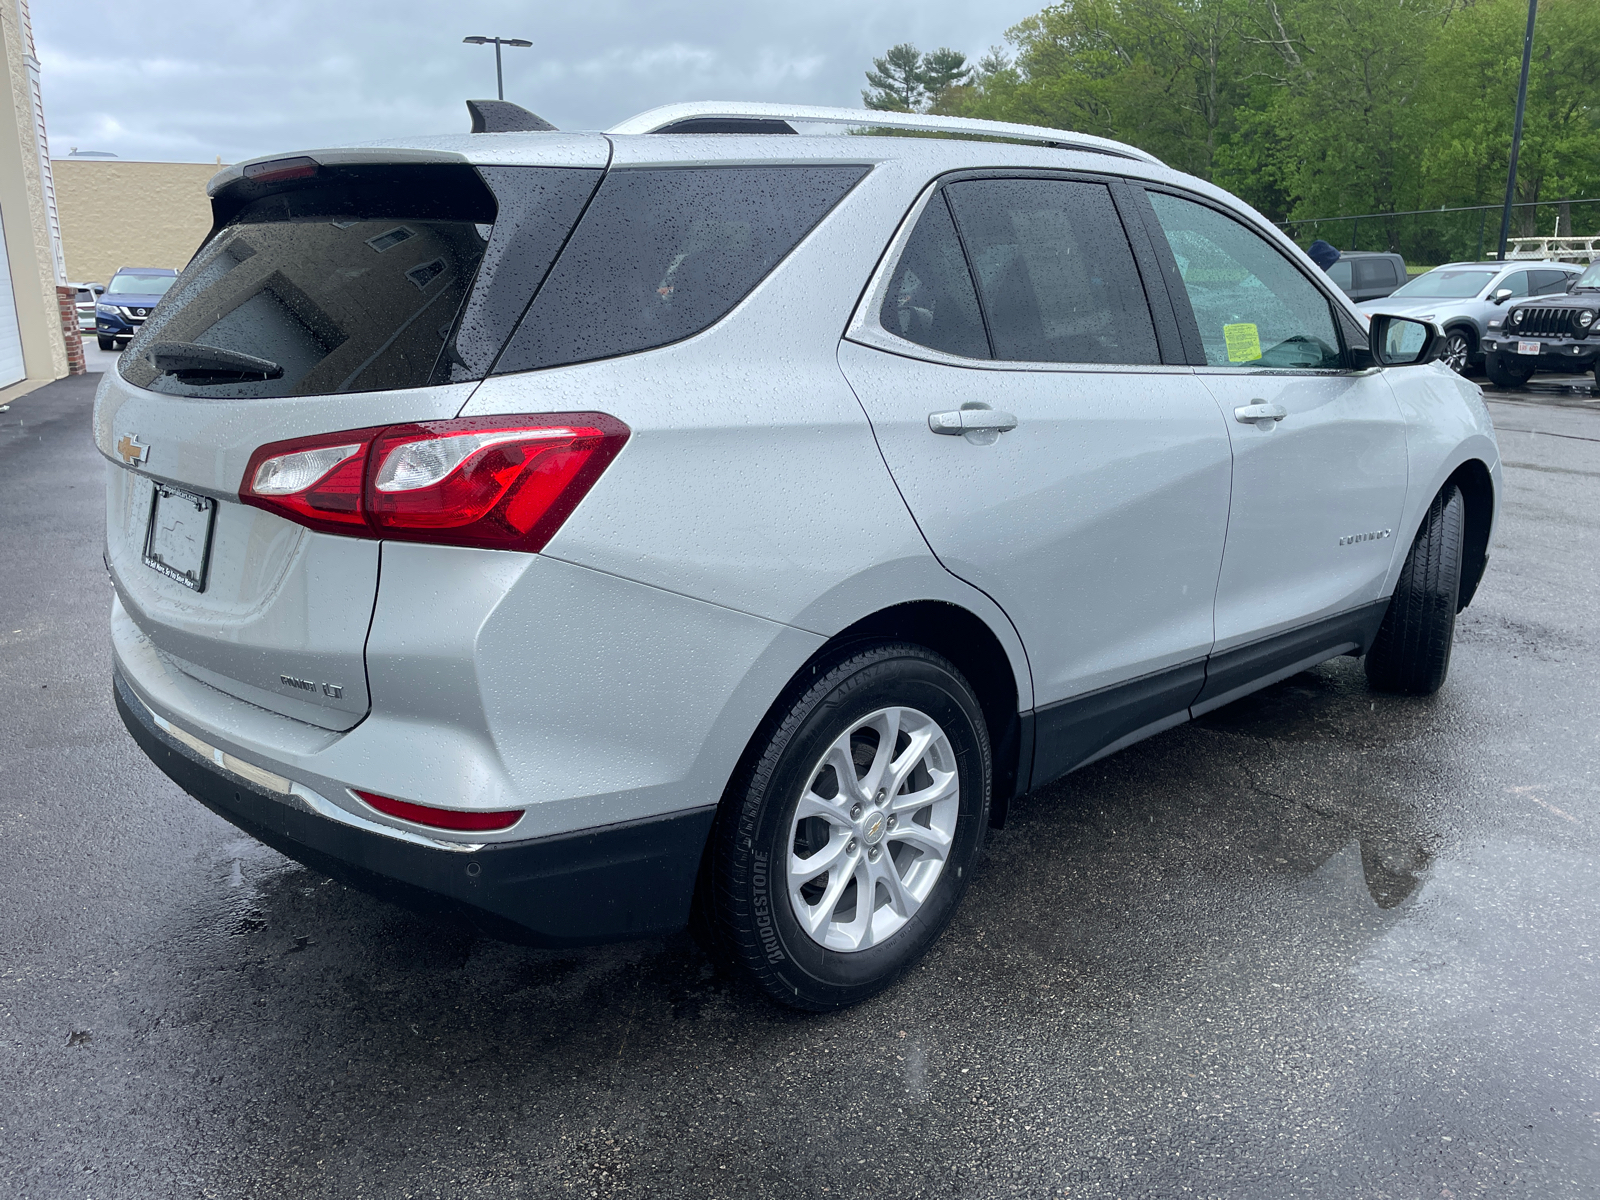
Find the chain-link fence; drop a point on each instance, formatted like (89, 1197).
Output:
(1427, 237)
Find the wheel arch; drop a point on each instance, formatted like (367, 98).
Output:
(971, 645)
(1477, 491)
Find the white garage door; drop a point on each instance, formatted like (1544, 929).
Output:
(11, 368)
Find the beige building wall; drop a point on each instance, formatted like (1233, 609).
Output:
(130, 214)
(24, 210)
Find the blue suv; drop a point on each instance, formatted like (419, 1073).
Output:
(129, 298)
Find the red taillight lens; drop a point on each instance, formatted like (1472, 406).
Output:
(504, 483)
(442, 818)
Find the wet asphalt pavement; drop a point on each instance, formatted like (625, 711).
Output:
(1323, 943)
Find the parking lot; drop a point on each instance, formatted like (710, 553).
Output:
(1320, 943)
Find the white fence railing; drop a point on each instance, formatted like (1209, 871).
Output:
(1575, 249)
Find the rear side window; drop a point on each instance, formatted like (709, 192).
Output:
(1054, 271)
(1375, 272)
(1549, 283)
(662, 254)
(363, 279)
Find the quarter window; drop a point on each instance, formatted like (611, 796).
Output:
(931, 300)
(662, 254)
(1054, 271)
(1253, 306)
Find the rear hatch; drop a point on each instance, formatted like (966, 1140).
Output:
(331, 295)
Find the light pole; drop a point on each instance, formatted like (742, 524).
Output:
(499, 77)
(1516, 129)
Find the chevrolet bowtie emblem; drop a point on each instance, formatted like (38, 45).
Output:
(132, 450)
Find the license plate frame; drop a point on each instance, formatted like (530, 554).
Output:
(177, 539)
(1530, 348)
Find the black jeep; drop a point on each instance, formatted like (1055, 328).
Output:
(1549, 333)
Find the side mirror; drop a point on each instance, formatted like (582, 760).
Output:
(1501, 295)
(1402, 341)
(99, 290)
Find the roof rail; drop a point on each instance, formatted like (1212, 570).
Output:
(658, 119)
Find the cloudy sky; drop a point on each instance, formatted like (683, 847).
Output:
(192, 80)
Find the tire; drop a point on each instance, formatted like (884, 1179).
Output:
(1459, 347)
(106, 343)
(842, 953)
(1503, 374)
(1411, 654)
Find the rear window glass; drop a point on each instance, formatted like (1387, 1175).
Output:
(662, 254)
(365, 281)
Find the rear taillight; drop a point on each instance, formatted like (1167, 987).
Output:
(442, 818)
(503, 483)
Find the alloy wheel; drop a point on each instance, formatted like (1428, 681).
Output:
(1456, 352)
(873, 829)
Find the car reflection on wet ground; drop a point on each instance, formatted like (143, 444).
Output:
(1320, 942)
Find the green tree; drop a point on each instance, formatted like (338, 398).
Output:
(1472, 72)
(944, 68)
(906, 80)
(896, 81)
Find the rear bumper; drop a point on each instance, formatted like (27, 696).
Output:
(629, 880)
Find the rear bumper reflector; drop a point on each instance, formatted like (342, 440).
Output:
(628, 880)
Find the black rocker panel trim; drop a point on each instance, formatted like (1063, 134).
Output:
(616, 882)
(1071, 731)
(1346, 633)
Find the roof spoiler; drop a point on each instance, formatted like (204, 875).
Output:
(502, 116)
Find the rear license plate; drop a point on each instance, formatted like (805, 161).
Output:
(1528, 347)
(178, 542)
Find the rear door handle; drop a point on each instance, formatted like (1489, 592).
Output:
(1262, 416)
(971, 420)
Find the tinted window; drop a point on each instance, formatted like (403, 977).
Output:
(1549, 283)
(662, 254)
(1375, 273)
(1054, 271)
(1254, 308)
(357, 281)
(1340, 274)
(930, 299)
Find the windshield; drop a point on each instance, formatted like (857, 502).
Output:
(1590, 278)
(140, 285)
(1447, 284)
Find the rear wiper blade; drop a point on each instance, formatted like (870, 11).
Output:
(192, 360)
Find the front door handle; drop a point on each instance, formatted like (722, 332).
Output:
(971, 420)
(1262, 416)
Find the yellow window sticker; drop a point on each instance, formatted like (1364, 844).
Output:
(1244, 342)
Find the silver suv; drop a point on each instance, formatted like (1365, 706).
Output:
(1465, 299)
(588, 532)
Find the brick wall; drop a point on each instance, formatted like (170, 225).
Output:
(67, 302)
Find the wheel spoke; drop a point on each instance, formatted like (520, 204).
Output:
(914, 753)
(888, 728)
(818, 915)
(901, 901)
(932, 842)
(945, 784)
(844, 769)
(804, 870)
(832, 811)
